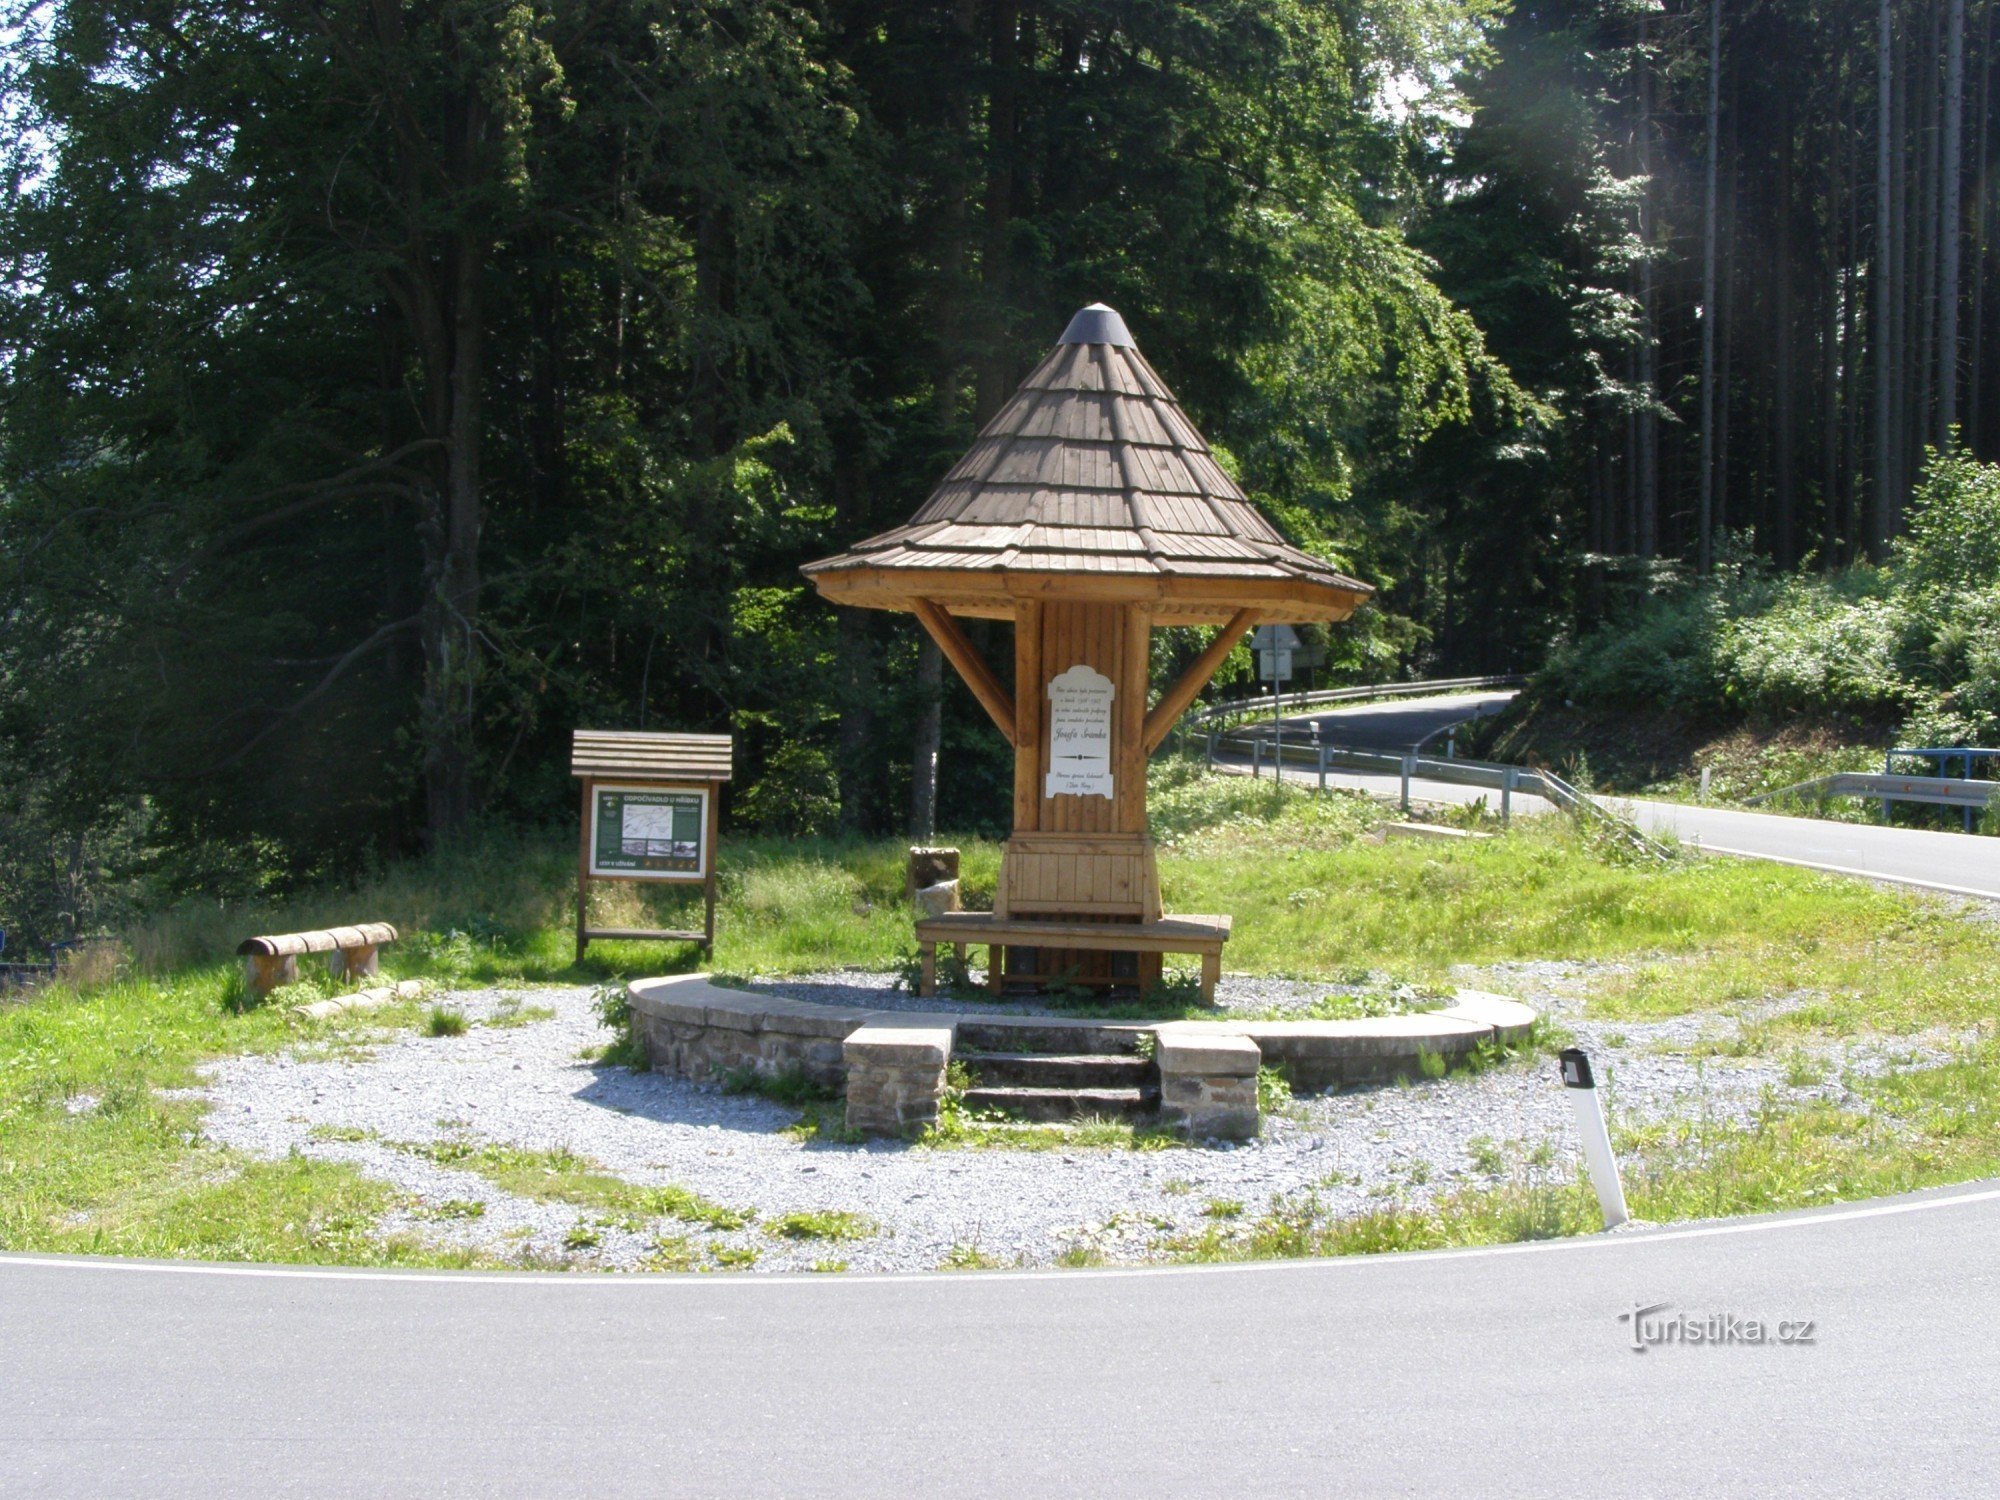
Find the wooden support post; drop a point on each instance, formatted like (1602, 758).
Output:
(713, 835)
(266, 972)
(1173, 703)
(927, 968)
(1030, 707)
(996, 967)
(583, 875)
(1211, 975)
(354, 963)
(1129, 752)
(969, 664)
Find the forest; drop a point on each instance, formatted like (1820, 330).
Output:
(387, 389)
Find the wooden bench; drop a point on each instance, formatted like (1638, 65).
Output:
(1202, 935)
(351, 952)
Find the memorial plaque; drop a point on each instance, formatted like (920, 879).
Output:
(1079, 734)
(648, 833)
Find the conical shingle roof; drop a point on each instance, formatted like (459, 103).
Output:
(1090, 483)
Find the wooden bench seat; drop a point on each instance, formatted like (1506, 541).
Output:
(1199, 935)
(351, 952)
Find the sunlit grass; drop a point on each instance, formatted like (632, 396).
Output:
(94, 1156)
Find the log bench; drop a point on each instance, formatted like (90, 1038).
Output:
(1200, 935)
(351, 953)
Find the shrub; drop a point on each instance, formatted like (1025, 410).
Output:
(1917, 641)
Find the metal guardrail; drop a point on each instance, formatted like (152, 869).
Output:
(1308, 747)
(1934, 791)
(1293, 702)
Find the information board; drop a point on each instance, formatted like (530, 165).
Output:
(1079, 734)
(647, 833)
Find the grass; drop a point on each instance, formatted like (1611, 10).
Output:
(444, 1020)
(1922, 1128)
(99, 1153)
(565, 1177)
(969, 1258)
(822, 1224)
(960, 1129)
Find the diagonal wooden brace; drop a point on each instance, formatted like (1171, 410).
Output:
(970, 665)
(1173, 703)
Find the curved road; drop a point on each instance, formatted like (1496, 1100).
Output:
(1496, 1372)
(1931, 859)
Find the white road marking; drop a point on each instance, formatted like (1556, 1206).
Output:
(1762, 1224)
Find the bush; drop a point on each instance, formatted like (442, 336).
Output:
(1916, 642)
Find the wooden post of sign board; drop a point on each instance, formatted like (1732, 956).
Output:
(583, 874)
(708, 884)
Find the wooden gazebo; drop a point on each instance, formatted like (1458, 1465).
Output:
(1088, 511)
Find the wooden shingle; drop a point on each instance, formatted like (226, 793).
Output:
(1090, 469)
(637, 755)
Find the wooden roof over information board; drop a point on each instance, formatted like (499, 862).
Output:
(635, 755)
(1091, 483)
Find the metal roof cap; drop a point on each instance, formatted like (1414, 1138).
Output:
(1098, 324)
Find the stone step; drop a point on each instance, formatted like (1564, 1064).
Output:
(1047, 1070)
(1059, 1035)
(1063, 1104)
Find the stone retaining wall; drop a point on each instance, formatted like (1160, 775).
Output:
(697, 1030)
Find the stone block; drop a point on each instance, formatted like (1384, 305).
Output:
(1185, 1050)
(938, 900)
(895, 1077)
(1208, 1082)
(891, 1046)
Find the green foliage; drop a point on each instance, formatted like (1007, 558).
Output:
(822, 1224)
(796, 796)
(1912, 643)
(1274, 1090)
(785, 1086)
(562, 1176)
(444, 1020)
(593, 323)
(626, 1049)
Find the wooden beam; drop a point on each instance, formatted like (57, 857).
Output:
(1173, 703)
(969, 664)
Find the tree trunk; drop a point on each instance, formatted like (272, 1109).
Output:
(1953, 152)
(1929, 225)
(1709, 310)
(1975, 425)
(947, 362)
(450, 617)
(1646, 541)
(1831, 364)
(1002, 126)
(1882, 292)
(1784, 440)
(924, 747)
(856, 646)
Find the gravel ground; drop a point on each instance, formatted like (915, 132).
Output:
(532, 1086)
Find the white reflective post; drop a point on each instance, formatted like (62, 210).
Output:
(1581, 1086)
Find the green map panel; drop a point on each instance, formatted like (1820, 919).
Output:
(648, 833)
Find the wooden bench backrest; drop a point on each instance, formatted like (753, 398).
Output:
(1097, 876)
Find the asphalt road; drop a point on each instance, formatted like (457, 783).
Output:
(1403, 724)
(1502, 1372)
(1968, 864)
